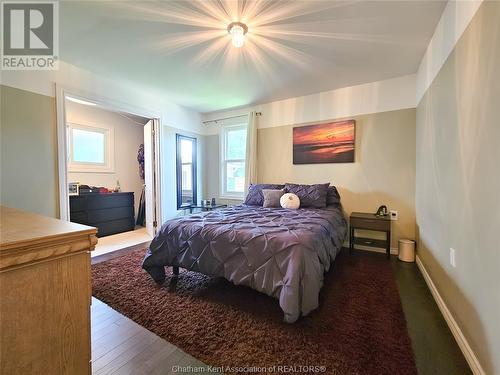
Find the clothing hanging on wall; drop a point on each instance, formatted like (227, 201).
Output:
(140, 159)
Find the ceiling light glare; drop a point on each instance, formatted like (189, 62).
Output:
(79, 101)
(237, 30)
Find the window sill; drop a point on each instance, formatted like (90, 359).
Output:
(90, 170)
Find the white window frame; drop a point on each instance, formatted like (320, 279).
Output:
(109, 150)
(223, 162)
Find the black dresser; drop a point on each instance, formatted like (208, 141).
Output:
(111, 213)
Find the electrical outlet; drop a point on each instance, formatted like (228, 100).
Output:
(452, 257)
(394, 215)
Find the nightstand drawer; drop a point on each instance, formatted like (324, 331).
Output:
(370, 242)
(370, 224)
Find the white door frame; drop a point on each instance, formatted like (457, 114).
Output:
(109, 104)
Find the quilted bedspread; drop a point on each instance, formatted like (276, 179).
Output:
(280, 252)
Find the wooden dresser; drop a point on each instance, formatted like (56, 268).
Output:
(45, 294)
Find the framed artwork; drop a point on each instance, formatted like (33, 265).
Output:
(332, 142)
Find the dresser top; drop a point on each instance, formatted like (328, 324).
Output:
(18, 228)
(97, 194)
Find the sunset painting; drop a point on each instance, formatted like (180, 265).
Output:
(324, 143)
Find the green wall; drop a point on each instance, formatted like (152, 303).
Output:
(29, 178)
(458, 183)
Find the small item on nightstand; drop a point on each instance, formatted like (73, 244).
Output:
(117, 188)
(213, 201)
(382, 211)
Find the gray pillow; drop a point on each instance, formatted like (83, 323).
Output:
(309, 195)
(255, 197)
(272, 197)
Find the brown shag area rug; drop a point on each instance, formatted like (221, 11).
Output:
(359, 327)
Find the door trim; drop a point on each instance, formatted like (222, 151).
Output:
(112, 105)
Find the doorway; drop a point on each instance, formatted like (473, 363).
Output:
(108, 168)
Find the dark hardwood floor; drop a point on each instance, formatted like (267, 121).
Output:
(120, 346)
(435, 348)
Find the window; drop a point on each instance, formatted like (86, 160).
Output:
(90, 149)
(186, 171)
(233, 151)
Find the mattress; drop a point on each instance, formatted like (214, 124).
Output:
(280, 252)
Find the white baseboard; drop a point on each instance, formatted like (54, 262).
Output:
(452, 323)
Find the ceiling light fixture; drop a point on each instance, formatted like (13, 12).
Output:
(237, 30)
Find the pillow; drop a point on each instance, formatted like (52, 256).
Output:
(309, 195)
(255, 197)
(332, 196)
(290, 200)
(272, 197)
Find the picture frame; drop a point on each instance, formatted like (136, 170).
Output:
(73, 188)
(328, 142)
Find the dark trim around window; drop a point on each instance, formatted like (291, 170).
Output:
(178, 139)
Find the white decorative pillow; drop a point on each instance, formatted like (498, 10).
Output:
(290, 200)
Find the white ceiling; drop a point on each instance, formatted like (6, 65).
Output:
(181, 48)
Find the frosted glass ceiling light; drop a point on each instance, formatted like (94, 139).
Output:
(237, 30)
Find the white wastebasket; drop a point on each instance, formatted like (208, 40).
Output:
(406, 251)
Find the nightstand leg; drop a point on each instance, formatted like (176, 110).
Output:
(388, 234)
(351, 240)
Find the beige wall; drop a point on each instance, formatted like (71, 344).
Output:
(29, 179)
(383, 173)
(458, 183)
(211, 164)
(128, 135)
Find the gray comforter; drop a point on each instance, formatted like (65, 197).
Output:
(280, 252)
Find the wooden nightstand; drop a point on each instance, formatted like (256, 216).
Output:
(368, 221)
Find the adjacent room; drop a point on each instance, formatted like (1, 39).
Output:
(250, 186)
(106, 173)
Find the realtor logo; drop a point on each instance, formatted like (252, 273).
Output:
(30, 34)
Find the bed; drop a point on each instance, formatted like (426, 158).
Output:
(280, 252)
